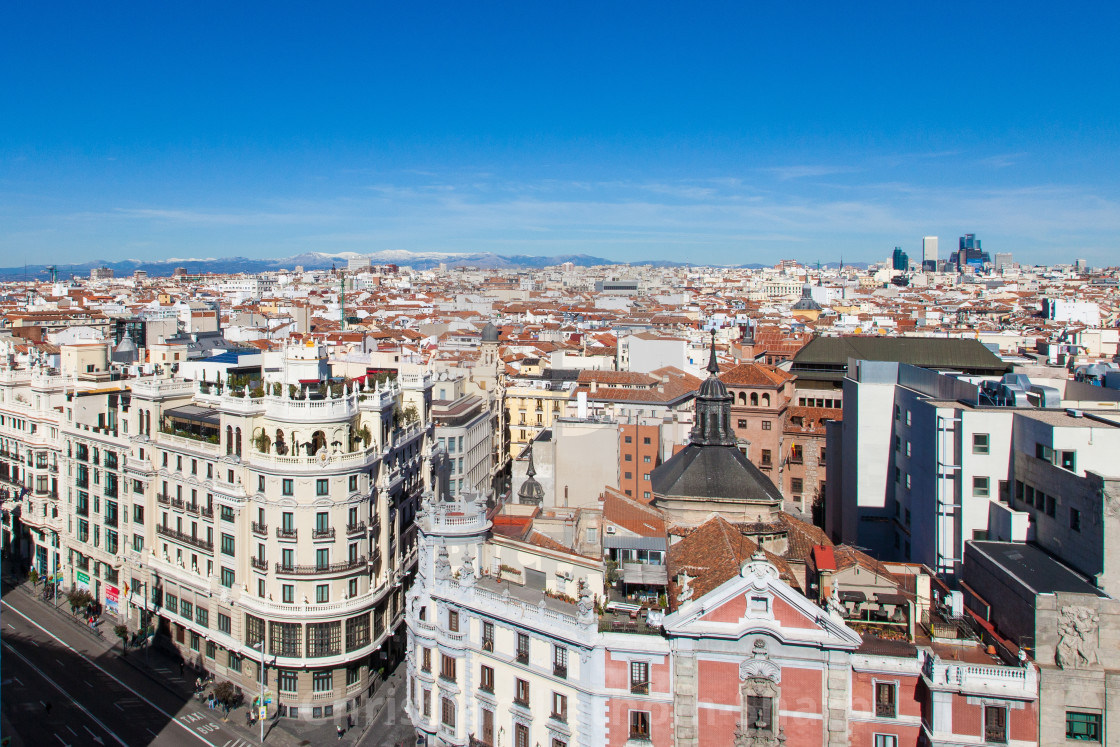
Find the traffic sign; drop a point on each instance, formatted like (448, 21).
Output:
(264, 713)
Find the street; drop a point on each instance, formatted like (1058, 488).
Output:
(62, 686)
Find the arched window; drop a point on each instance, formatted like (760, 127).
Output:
(754, 399)
(281, 448)
(237, 442)
(766, 400)
(318, 441)
(229, 439)
(742, 398)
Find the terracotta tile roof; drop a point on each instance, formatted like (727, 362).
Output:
(754, 374)
(632, 515)
(714, 552)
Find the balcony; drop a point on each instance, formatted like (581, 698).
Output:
(487, 644)
(314, 570)
(522, 657)
(207, 512)
(261, 530)
(476, 742)
(353, 529)
(186, 539)
(321, 534)
(286, 534)
(177, 503)
(259, 564)
(796, 458)
(163, 499)
(560, 670)
(192, 508)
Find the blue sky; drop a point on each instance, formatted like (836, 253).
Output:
(727, 133)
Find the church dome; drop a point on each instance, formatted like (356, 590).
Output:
(489, 333)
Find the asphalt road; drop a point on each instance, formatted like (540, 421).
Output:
(94, 698)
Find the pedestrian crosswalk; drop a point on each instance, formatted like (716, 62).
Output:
(237, 743)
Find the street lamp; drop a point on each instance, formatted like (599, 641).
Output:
(260, 703)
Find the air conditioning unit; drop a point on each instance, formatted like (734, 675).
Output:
(611, 530)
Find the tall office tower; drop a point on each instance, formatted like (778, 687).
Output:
(899, 260)
(929, 249)
(969, 253)
(1003, 259)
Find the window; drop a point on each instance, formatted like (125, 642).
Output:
(765, 425)
(322, 682)
(980, 443)
(629, 457)
(520, 735)
(1083, 727)
(907, 417)
(322, 487)
(796, 485)
(287, 681)
(453, 621)
(639, 725)
(427, 702)
(211, 650)
(353, 483)
(447, 667)
(886, 740)
(559, 661)
(322, 558)
(521, 693)
(288, 593)
(1068, 460)
(1051, 505)
(224, 624)
(995, 724)
(486, 679)
(766, 458)
(260, 483)
(171, 602)
(639, 677)
(226, 513)
(227, 578)
(322, 593)
(227, 544)
(646, 440)
(885, 700)
(286, 487)
(234, 662)
(202, 616)
(980, 487)
(1075, 520)
(629, 439)
(522, 648)
(559, 707)
(487, 636)
(426, 660)
(448, 712)
(742, 423)
(186, 609)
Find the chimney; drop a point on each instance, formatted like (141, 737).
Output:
(594, 386)
(581, 404)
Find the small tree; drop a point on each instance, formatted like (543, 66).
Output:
(365, 435)
(226, 693)
(78, 598)
(33, 576)
(121, 631)
(410, 413)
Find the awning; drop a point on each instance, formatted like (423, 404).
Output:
(620, 542)
(852, 596)
(642, 574)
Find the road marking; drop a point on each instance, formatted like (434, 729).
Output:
(13, 627)
(17, 679)
(71, 730)
(103, 671)
(118, 705)
(152, 733)
(61, 739)
(58, 687)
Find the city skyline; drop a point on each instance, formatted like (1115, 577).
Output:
(735, 136)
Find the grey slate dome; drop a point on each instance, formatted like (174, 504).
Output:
(125, 351)
(489, 333)
(806, 302)
(710, 472)
(531, 491)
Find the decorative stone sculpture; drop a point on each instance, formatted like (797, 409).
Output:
(443, 565)
(685, 594)
(1077, 637)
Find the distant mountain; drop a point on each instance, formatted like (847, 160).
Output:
(325, 261)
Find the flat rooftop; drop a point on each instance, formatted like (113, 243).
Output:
(1036, 570)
